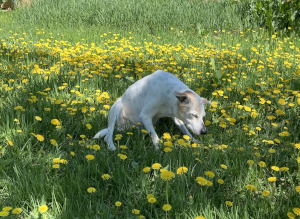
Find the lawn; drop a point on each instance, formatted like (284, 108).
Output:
(64, 65)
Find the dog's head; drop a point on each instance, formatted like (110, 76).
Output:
(191, 110)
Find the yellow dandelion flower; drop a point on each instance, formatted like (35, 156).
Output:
(91, 190)
(106, 176)
(199, 217)
(55, 121)
(40, 137)
(228, 203)
(201, 181)
(272, 179)
(146, 169)
(186, 137)
(275, 168)
(55, 166)
(180, 141)
(136, 211)
(10, 143)
(90, 157)
(209, 174)
(43, 208)
(223, 166)
(265, 193)
(16, 211)
(167, 149)
(89, 126)
(262, 164)
(38, 118)
(220, 181)
(4, 213)
(296, 211)
(152, 200)
(53, 142)
(6, 208)
(167, 175)
(156, 166)
(118, 204)
(297, 188)
(181, 170)
(166, 207)
(291, 215)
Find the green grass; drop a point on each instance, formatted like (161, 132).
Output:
(61, 68)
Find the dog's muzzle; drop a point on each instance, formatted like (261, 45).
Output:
(203, 131)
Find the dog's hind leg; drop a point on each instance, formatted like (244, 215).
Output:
(183, 129)
(114, 115)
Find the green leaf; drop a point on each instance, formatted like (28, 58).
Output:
(219, 74)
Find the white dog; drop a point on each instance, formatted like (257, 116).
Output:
(158, 95)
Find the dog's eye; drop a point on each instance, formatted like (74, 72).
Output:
(194, 115)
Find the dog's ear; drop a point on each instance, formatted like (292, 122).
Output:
(205, 101)
(182, 98)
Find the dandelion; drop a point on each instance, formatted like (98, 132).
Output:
(272, 179)
(43, 208)
(228, 203)
(296, 211)
(220, 181)
(106, 176)
(96, 147)
(167, 175)
(6, 208)
(297, 188)
(55, 122)
(16, 211)
(291, 215)
(275, 168)
(262, 164)
(156, 166)
(53, 142)
(38, 118)
(201, 181)
(40, 137)
(72, 153)
(181, 170)
(91, 190)
(118, 204)
(122, 156)
(223, 166)
(167, 149)
(90, 157)
(135, 211)
(146, 169)
(88, 126)
(272, 151)
(55, 166)
(265, 193)
(4, 213)
(152, 200)
(10, 143)
(209, 174)
(199, 217)
(166, 207)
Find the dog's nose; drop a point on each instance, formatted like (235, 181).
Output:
(203, 131)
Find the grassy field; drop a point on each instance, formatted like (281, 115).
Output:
(59, 77)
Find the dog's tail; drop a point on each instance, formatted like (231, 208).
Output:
(100, 134)
(113, 116)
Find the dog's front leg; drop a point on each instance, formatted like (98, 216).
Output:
(183, 129)
(147, 122)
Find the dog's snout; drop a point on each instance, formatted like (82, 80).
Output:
(203, 131)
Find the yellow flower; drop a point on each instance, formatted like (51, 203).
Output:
(272, 151)
(135, 211)
(261, 164)
(55, 121)
(4, 213)
(38, 118)
(182, 170)
(156, 166)
(186, 137)
(118, 204)
(297, 189)
(291, 215)
(88, 126)
(105, 176)
(72, 153)
(16, 211)
(6, 208)
(180, 141)
(251, 187)
(56, 166)
(10, 143)
(272, 179)
(265, 193)
(40, 137)
(201, 181)
(275, 168)
(209, 174)
(228, 203)
(89, 157)
(144, 131)
(167, 175)
(284, 168)
(167, 149)
(220, 181)
(152, 200)
(43, 208)
(53, 142)
(91, 190)
(146, 169)
(296, 211)
(223, 166)
(250, 162)
(122, 156)
(166, 207)
(199, 217)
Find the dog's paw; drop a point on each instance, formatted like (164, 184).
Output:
(111, 146)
